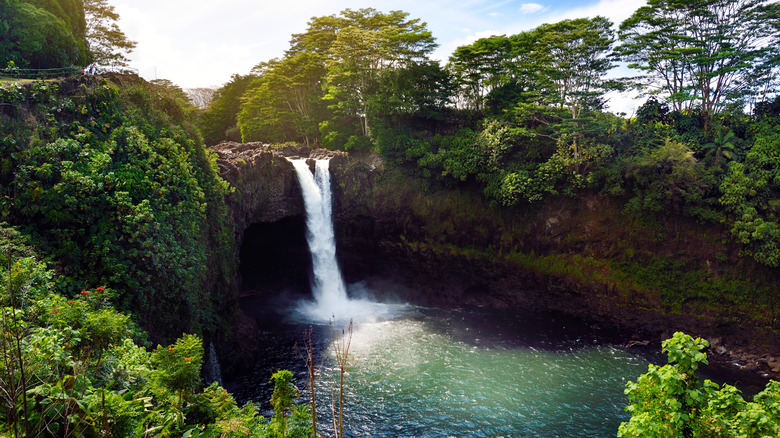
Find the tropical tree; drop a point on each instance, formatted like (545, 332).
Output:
(71, 12)
(749, 192)
(367, 42)
(220, 120)
(571, 61)
(722, 144)
(284, 102)
(702, 53)
(482, 67)
(106, 43)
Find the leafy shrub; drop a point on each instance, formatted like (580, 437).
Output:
(671, 401)
(670, 179)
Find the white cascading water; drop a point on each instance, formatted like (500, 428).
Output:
(330, 292)
(328, 285)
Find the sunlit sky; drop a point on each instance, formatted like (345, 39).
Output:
(197, 43)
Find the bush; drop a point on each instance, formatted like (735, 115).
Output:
(671, 400)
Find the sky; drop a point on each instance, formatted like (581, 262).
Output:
(197, 43)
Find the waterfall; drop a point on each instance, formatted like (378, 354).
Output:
(330, 293)
(212, 370)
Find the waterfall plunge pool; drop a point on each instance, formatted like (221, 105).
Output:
(431, 372)
(455, 372)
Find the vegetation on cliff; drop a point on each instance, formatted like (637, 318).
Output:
(521, 116)
(73, 366)
(116, 189)
(104, 182)
(689, 182)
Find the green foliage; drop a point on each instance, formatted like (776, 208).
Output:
(40, 34)
(107, 44)
(570, 60)
(768, 110)
(670, 400)
(722, 144)
(219, 121)
(177, 371)
(344, 80)
(367, 42)
(282, 399)
(484, 71)
(704, 54)
(119, 189)
(284, 102)
(669, 179)
(555, 64)
(749, 194)
(71, 368)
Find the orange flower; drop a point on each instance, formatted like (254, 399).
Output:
(170, 348)
(187, 359)
(84, 292)
(71, 302)
(99, 288)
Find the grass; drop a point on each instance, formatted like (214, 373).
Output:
(10, 80)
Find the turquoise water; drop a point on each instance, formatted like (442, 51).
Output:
(408, 378)
(462, 373)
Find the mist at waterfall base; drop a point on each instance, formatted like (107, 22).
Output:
(416, 371)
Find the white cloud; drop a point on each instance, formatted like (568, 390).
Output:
(616, 10)
(530, 8)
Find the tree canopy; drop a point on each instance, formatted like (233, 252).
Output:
(704, 53)
(41, 34)
(46, 34)
(327, 83)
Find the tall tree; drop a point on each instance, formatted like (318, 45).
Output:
(71, 12)
(285, 101)
(482, 67)
(107, 44)
(570, 60)
(702, 53)
(339, 77)
(367, 42)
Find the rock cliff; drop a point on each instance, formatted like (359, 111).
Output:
(584, 257)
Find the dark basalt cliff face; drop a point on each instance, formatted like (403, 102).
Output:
(266, 189)
(452, 248)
